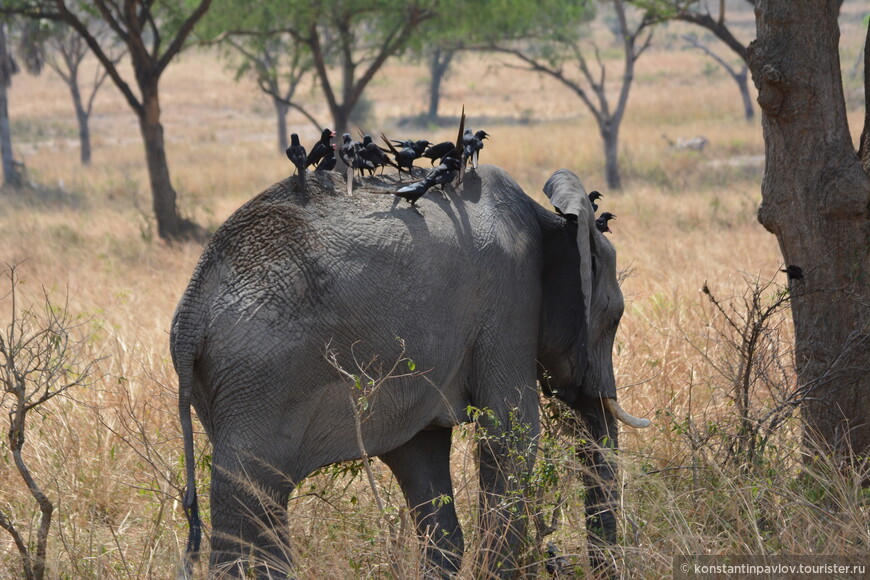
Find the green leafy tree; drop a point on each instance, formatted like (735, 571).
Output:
(154, 34)
(64, 51)
(348, 41)
(557, 42)
(256, 49)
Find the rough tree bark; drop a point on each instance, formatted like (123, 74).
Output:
(815, 197)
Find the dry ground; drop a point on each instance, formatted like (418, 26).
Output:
(110, 456)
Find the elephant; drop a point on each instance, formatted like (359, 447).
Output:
(305, 289)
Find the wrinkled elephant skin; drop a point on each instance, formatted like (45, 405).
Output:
(483, 289)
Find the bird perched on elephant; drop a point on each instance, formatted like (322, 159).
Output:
(602, 224)
(297, 156)
(523, 294)
(445, 173)
(321, 149)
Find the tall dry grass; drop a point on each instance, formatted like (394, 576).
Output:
(110, 455)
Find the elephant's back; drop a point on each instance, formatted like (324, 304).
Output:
(289, 252)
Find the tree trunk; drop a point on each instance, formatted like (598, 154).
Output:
(82, 119)
(162, 192)
(11, 176)
(281, 117)
(742, 80)
(815, 197)
(439, 64)
(341, 119)
(610, 135)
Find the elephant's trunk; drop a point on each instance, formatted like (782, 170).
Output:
(630, 420)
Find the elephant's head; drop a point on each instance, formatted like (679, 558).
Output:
(582, 303)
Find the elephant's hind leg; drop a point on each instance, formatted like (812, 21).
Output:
(249, 518)
(422, 468)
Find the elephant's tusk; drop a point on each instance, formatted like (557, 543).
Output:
(612, 406)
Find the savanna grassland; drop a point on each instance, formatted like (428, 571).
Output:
(109, 454)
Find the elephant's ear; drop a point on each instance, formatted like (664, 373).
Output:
(568, 196)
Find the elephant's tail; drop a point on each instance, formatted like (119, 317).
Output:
(189, 502)
(184, 355)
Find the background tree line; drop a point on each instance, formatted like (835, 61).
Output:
(815, 192)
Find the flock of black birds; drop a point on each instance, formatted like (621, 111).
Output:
(452, 160)
(366, 155)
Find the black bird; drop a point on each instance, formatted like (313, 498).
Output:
(321, 148)
(404, 157)
(296, 154)
(403, 142)
(414, 191)
(472, 143)
(601, 222)
(374, 154)
(439, 151)
(793, 272)
(419, 147)
(593, 197)
(361, 161)
(347, 153)
(556, 565)
(444, 173)
(328, 161)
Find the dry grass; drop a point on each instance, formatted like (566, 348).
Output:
(110, 457)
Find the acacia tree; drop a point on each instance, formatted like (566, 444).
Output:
(740, 77)
(438, 61)
(358, 37)
(270, 61)
(256, 47)
(816, 201)
(64, 51)
(562, 48)
(153, 33)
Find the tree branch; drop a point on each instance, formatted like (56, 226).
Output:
(182, 34)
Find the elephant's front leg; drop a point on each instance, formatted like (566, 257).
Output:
(602, 493)
(506, 449)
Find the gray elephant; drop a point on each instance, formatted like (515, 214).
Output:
(488, 293)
